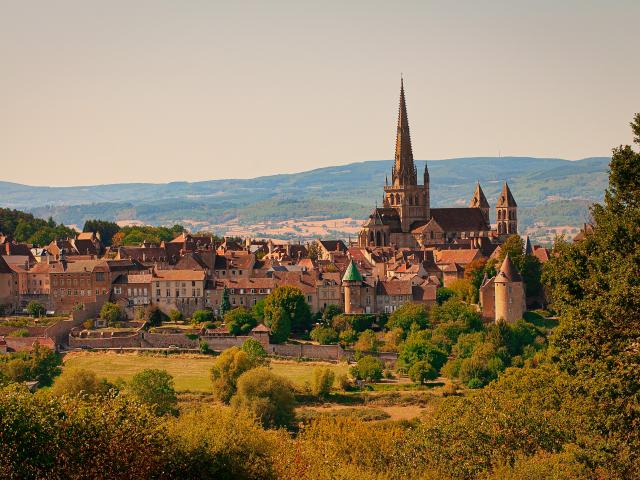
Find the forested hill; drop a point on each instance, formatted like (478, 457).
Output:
(560, 190)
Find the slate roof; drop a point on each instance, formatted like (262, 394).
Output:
(508, 271)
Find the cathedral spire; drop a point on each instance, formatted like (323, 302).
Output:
(404, 171)
(479, 200)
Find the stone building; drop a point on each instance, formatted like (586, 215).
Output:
(406, 219)
(503, 297)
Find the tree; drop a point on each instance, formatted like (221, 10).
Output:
(329, 312)
(154, 388)
(258, 310)
(418, 348)
(443, 294)
(80, 382)
(463, 289)
(106, 230)
(367, 342)
(35, 309)
(314, 251)
(368, 368)
(202, 316)
(226, 369)
(267, 395)
(292, 301)
(112, 313)
(422, 371)
(175, 315)
(154, 316)
(323, 378)
(225, 305)
(255, 350)
(279, 321)
(324, 335)
(239, 321)
(408, 315)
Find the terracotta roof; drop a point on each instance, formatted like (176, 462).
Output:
(460, 219)
(254, 282)
(77, 266)
(394, 287)
(261, 328)
(424, 293)
(541, 253)
(179, 274)
(461, 256)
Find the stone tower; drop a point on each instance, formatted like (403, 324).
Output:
(506, 213)
(510, 301)
(480, 201)
(409, 199)
(352, 283)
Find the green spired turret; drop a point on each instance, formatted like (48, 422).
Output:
(352, 274)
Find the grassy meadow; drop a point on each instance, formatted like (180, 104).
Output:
(190, 372)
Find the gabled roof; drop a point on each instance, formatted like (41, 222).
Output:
(333, 245)
(4, 267)
(506, 198)
(352, 274)
(460, 219)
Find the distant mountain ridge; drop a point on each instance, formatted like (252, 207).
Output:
(324, 193)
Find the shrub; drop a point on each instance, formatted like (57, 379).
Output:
(255, 350)
(367, 342)
(35, 309)
(342, 382)
(422, 371)
(217, 442)
(226, 369)
(202, 316)
(267, 395)
(323, 378)
(368, 368)
(475, 383)
(324, 335)
(41, 364)
(20, 332)
(175, 316)
(329, 312)
(204, 347)
(239, 321)
(348, 336)
(88, 324)
(80, 382)
(154, 316)
(112, 313)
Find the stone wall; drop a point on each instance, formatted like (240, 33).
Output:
(106, 341)
(164, 340)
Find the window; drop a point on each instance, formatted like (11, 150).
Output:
(129, 291)
(157, 292)
(104, 291)
(99, 276)
(168, 293)
(193, 283)
(68, 292)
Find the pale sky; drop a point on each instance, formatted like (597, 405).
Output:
(154, 91)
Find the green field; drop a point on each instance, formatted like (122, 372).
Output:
(190, 372)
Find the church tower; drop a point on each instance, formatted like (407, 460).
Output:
(480, 201)
(409, 199)
(506, 213)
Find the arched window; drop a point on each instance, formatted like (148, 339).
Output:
(370, 237)
(397, 199)
(410, 200)
(417, 199)
(378, 239)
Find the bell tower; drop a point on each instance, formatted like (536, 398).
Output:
(506, 213)
(409, 199)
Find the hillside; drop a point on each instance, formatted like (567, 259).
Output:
(551, 192)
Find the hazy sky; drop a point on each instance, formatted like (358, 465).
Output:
(154, 91)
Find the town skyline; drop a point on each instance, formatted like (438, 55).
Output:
(285, 89)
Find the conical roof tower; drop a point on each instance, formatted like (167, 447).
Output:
(506, 197)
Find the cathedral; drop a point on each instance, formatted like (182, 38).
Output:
(406, 219)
